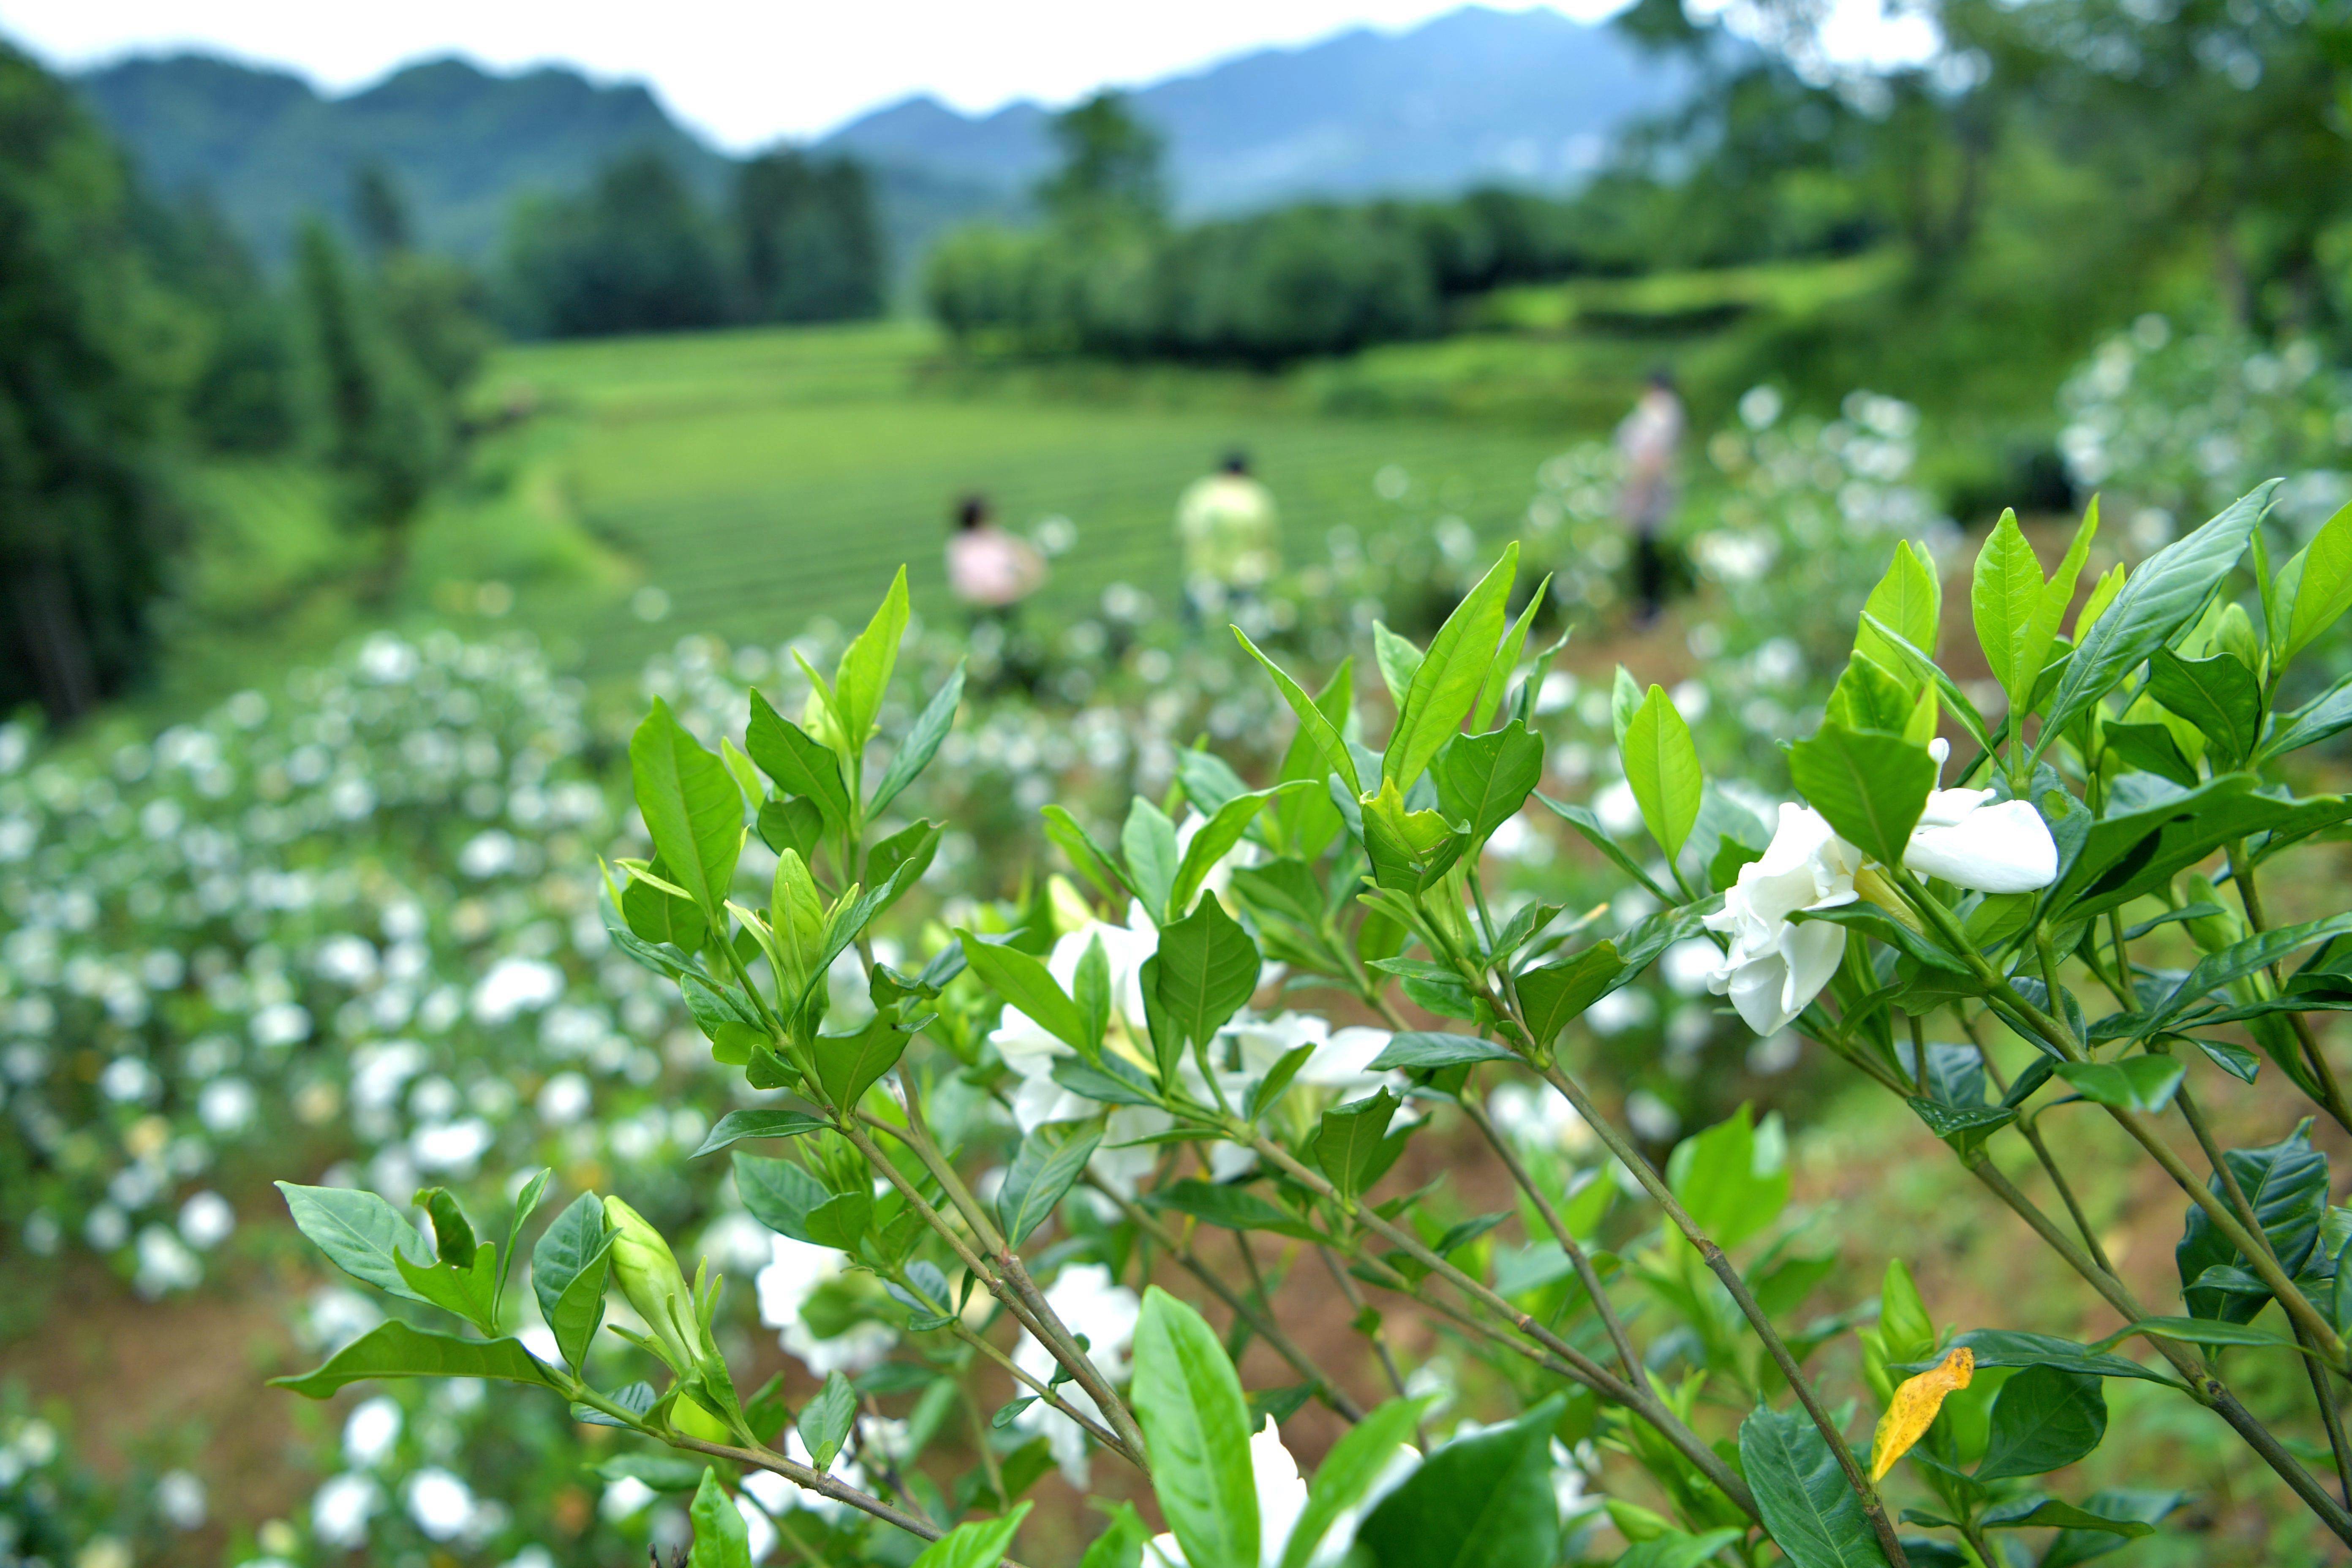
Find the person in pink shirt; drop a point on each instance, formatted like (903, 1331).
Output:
(989, 571)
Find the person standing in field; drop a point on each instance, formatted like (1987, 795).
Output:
(1648, 441)
(989, 571)
(1231, 537)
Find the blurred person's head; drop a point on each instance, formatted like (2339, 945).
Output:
(1661, 379)
(973, 511)
(1236, 462)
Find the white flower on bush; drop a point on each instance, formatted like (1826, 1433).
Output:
(795, 1272)
(1775, 965)
(1282, 1497)
(441, 1504)
(341, 1509)
(1091, 1303)
(371, 1431)
(516, 986)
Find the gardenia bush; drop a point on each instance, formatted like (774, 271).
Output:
(1023, 1126)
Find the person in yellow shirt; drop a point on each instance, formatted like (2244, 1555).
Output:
(1231, 536)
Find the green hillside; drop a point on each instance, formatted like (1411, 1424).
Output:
(759, 477)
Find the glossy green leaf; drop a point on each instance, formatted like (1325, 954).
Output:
(767, 1122)
(692, 809)
(567, 1275)
(1398, 660)
(1661, 766)
(2240, 959)
(2005, 598)
(1024, 982)
(825, 1420)
(1410, 850)
(1050, 1161)
(2219, 695)
(360, 1233)
(2044, 1419)
(2035, 1511)
(2287, 1184)
(2127, 1083)
(1506, 658)
(1812, 1513)
(922, 742)
(778, 1192)
(1362, 1456)
(1733, 1183)
(1909, 600)
(1208, 968)
(2155, 602)
(1322, 730)
(1446, 684)
(1421, 1050)
(2076, 1546)
(1149, 843)
(1558, 993)
(2008, 1348)
(1352, 1139)
(1196, 1430)
(1870, 785)
(2323, 589)
(1212, 842)
(1482, 780)
(980, 1544)
(395, 1350)
(864, 674)
(1230, 1209)
(721, 1538)
(1480, 1501)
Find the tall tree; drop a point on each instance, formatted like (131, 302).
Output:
(88, 348)
(635, 253)
(812, 250)
(379, 211)
(1110, 165)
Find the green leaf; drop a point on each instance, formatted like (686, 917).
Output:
(1482, 780)
(1091, 860)
(1909, 600)
(1588, 826)
(893, 866)
(799, 763)
(691, 806)
(655, 916)
(2218, 695)
(825, 1420)
(665, 1472)
(1229, 1208)
(2286, 1182)
(1410, 850)
(778, 1193)
(1112, 1083)
(864, 673)
(1625, 697)
(2240, 959)
(721, 1538)
(2076, 1546)
(1121, 1544)
(1306, 819)
(1051, 1159)
(738, 1125)
(2323, 589)
(2006, 597)
(1925, 669)
(1352, 1139)
(2043, 1419)
(1208, 968)
(1506, 658)
(1661, 766)
(2128, 1083)
(1446, 685)
(1870, 785)
(1267, 1092)
(1360, 1457)
(1557, 993)
(1196, 1431)
(360, 1233)
(1963, 1127)
(1149, 842)
(2156, 600)
(1398, 660)
(465, 1289)
(1322, 730)
(922, 742)
(567, 1274)
(1480, 1501)
(981, 1543)
(1421, 1050)
(2207, 1331)
(2035, 1511)
(395, 1350)
(1025, 982)
(1812, 1513)
(1214, 839)
(2008, 1348)
(848, 1065)
(1730, 1180)
(2325, 716)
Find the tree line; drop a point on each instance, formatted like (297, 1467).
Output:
(140, 336)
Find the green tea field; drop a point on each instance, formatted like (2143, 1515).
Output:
(756, 478)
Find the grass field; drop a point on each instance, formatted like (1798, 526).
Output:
(760, 477)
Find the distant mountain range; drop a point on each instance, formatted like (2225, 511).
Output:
(1525, 98)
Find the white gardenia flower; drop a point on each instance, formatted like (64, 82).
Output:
(1282, 1497)
(795, 1272)
(1774, 965)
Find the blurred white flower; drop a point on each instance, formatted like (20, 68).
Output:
(441, 1504)
(206, 1221)
(180, 1499)
(516, 986)
(370, 1432)
(341, 1509)
(795, 1272)
(1091, 1303)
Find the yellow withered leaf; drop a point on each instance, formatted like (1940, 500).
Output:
(1913, 1409)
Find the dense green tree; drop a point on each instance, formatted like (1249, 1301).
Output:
(1111, 169)
(92, 357)
(812, 250)
(379, 211)
(635, 253)
(377, 419)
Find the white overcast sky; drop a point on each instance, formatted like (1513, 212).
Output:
(746, 72)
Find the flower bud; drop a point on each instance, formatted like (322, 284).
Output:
(649, 1278)
(2210, 932)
